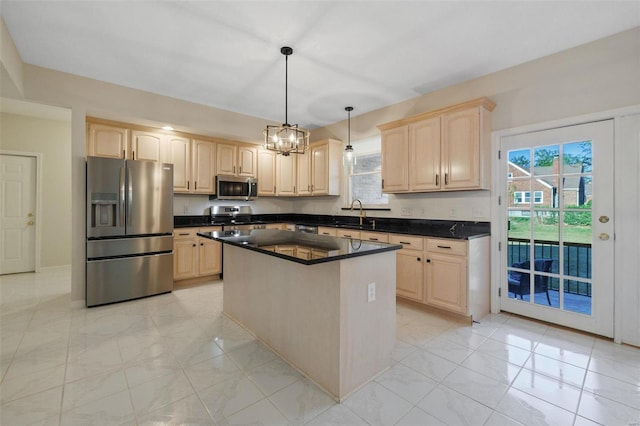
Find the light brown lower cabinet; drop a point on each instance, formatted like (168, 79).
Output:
(195, 256)
(444, 273)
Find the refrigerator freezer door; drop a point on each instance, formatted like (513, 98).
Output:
(149, 202)
(105, 197)
(115, 280)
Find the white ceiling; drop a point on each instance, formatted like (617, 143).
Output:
(367, 54)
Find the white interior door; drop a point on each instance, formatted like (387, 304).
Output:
(18, 196)
(557, 232)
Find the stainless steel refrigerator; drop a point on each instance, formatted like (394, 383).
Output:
(129, 229)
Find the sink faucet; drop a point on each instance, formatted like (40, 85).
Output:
(363, 214)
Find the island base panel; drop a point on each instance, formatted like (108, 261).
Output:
(317, 317)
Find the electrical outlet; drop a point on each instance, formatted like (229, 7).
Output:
(406, 211)
(371, 292)
(453, 212)
(186, 208)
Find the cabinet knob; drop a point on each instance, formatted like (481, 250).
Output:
(194, 245)
(428, 260)
(201, 244)
(419, 260)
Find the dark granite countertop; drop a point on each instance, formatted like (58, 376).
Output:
(323, 248)
(460, 230)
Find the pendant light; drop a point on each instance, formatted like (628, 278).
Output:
(287, 138)
(349, 159)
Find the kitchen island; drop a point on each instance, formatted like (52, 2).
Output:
(326, 305)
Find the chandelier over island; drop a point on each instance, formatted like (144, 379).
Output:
(287, 138)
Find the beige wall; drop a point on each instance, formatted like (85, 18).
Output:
(52, 140)
(10, 66)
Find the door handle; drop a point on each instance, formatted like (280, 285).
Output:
(603, 219)
(30, 223)
(603, 236)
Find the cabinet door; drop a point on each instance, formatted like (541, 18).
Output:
(461, 149)
(266, 173)
(446, 282)
(320, 170)
(225, 159)
(184, 258)
(180, 152)
(203, 175)
(286, 175)
(424, 155)
(147, 145)
(286, 250)
(304, 173)
(303, 253)
(210, 257)
(107, 141)
(247, 161)
(395, 160)
(409, 274)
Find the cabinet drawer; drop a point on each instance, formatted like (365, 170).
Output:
(185, 233)
(348, 233)
(455, 247)
(322, 230)
(407, 241)
(374, 236)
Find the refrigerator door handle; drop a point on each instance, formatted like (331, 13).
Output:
(129, 197)
(122, 196)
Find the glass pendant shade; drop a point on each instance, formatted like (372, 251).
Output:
(288, 138)
(348, 157)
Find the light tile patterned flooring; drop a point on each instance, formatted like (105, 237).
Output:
(174, 359)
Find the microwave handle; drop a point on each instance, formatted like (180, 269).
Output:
(248, 189)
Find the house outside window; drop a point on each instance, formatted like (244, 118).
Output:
(524, 197)
(365, 178)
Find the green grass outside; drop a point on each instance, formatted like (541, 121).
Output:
(572, 233)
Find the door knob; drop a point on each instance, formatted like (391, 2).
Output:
(603, 219)
(30, 215)
(30, 223)
(603, 236)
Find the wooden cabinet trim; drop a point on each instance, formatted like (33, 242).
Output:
(484, 102)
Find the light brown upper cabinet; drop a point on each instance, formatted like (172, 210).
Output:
(266, 172)
(107, 141)
(286, 171)
(149, 146)
(319, 169)
(442, 150)
(304, 173)
(193, 162)
(236, 160)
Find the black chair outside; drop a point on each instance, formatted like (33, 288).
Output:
(519, 283)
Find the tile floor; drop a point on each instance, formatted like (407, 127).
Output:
(174, 359)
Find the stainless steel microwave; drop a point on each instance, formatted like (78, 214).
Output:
(236, 188)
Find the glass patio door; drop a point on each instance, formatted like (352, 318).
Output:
(557, 239)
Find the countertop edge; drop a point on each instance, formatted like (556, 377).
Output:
(390, 247)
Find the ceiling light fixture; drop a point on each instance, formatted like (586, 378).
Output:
(287, 138)
(167, 128)
(349, 159)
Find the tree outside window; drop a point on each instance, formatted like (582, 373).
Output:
(365, 178)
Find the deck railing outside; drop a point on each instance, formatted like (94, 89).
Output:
(577, 261)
